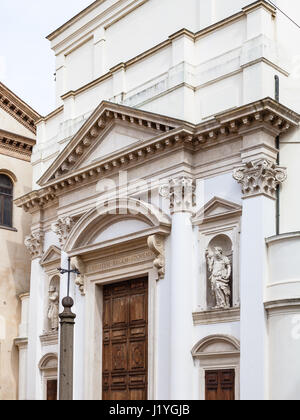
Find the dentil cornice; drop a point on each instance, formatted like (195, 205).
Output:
(260, 177)
(168, 134)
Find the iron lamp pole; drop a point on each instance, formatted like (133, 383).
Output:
(67, 322)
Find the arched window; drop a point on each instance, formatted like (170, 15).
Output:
(6, 200)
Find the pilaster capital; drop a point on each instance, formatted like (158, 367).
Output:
(62, 227)
(260, 177)
(34, 244)
(182, 194)
(156, 244)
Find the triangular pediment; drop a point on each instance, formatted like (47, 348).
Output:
(53, 254)
(110, 129)
(217, 208)
(116, 138)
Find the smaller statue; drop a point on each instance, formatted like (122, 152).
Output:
(53, 309)
(220, 268)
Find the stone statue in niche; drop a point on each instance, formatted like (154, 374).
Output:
(53, 309)
(219, 267)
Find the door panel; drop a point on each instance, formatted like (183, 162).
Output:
(52, 390)
(220, 385)
(125, 341)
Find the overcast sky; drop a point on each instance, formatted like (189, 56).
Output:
(26, 60)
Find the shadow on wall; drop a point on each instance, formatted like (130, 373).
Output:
(2, 328)
(19, 264)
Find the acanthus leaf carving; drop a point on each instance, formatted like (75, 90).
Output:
(62, 227)
(260, 177)
(34, 244)
(182, 194)
(156, 244)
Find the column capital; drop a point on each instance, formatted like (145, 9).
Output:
(182, 194)
(34, 244)
(62, 227)
(260, 177)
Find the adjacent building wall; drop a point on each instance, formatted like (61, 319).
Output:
(15, 277)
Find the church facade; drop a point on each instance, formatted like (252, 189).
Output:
(168, 174)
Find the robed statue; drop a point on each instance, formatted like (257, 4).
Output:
(219, 267)
(53, 309)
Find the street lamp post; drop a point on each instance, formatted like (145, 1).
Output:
(67, 322)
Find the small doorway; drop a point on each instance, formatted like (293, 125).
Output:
(220, 385)
(125, 340)
(52, 390)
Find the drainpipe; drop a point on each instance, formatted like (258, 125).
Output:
(277, 87)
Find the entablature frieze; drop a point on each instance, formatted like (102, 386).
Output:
(263, 114)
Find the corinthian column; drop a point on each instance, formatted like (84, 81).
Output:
(259, 179)
(181, 193)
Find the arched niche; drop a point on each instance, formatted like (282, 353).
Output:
(115, 219)
(217, 353)
(218, 223)
(224, 242)
(52, 306)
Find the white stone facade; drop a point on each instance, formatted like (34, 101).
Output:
(161, 115)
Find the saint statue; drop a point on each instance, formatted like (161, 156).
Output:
(220, 268)
(53, 308)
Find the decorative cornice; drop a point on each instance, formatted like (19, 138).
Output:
(34, 244)
(18, 109)
(104, 116)
(156, 244)
(216, 316)
(62, 227)
(21, 343)
(291, 236)
(217, 209)
(168, 134)
(261, 3)
(51, 256)
(181, 192)
(49, 339)
(14, 145)
(260, 177)
(282, 307)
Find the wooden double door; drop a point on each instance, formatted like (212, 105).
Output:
(220, 385)
(125, 340)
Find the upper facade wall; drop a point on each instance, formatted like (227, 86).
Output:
(125, 29)
(180, 76)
